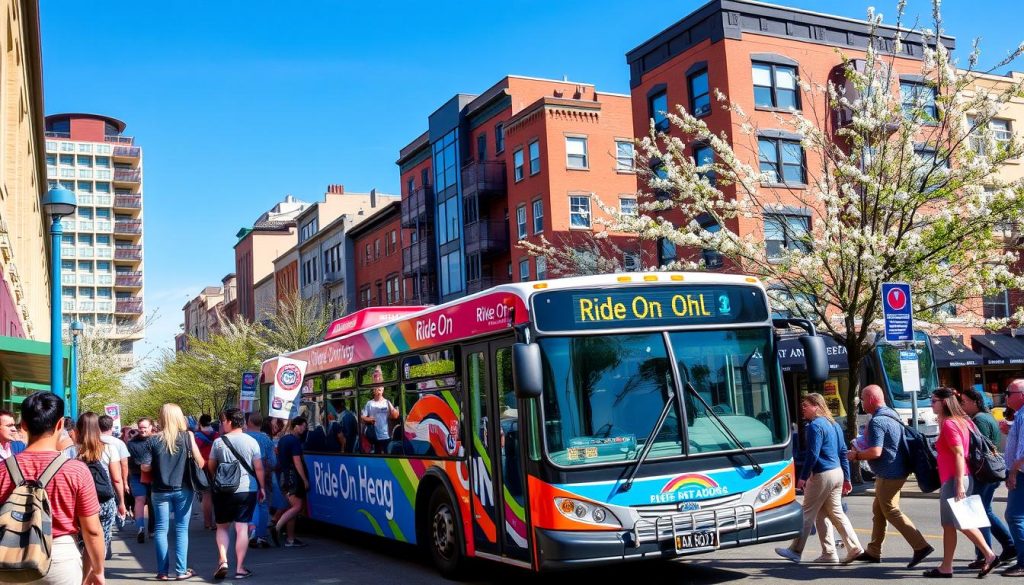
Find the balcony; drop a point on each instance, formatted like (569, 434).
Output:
(128, 253)
(418, 257)
(129, 140)
(128, 202)
(65, 135)
(333, 276)
(484, 283)
(130, 305)
(418, 206)
(479, 178)
(127, 175)
(127, 152)
(486, 237)
(128, 227)
(130, 279)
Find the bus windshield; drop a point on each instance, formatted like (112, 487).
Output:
(889, 357)
(603, 394)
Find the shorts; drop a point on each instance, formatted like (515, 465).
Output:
(236, 507)
(291, 484)
(138, 488)
(948, 491)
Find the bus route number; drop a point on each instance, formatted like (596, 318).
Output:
(697, 540)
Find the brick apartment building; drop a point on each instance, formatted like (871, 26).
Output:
(376, 259)
(521, 160)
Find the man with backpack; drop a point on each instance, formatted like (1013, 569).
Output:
(884, 454)
(236, 467)
(205, 436)
(68, 493)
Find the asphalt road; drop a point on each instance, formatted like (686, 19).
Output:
(341, 557)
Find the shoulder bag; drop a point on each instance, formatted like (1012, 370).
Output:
(229, 473)
(195, 474)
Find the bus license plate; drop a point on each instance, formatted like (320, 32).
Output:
(697, 540)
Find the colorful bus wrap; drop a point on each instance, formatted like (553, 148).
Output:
(660, 427)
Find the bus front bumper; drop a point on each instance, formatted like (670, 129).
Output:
(559, 549)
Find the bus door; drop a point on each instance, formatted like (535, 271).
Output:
(495, 465)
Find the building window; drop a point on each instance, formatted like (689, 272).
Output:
(712, 258)
(997, 306)
(782, 160)
(524, 270)
(390, 292)
(521, 220)
(624, 156)
(411, 185)
(783, 302)
(579, 211)
(630, 262)
(786, 232)
(627, 206)
(705, 157)
(367, 255)
(499, 138)
(700, 94)
(394, 241)
(376, 249)
(775, 86)
(538, 216)
(576, 152)
(657, 106)
(481, 146)
(542, 267)
(517, 164)
(1001, 135)
(534, 157)
(918, 101)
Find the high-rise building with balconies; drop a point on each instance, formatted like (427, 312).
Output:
(101, 255)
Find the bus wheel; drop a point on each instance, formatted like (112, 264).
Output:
(445, 535)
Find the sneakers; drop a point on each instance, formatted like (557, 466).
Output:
(296, 543)
(920, 555)
(825, 559)
(1008, 556)
(788, 554)
(854, 555)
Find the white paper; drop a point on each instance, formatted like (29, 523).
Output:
(968, 512)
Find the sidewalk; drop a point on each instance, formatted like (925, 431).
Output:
(910, 490)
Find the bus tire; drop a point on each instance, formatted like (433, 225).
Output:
(444, 535)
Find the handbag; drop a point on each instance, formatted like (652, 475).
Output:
(983, 460)
(195, 474)
(229, 473)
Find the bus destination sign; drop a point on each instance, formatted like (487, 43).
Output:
(648, 306)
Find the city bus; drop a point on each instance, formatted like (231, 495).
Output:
(559, 423)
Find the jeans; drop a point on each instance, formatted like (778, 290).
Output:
(987, 491)
(1015, 517)
(178, 502)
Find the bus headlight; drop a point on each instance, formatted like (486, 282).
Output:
(588, 512)
(774, 489)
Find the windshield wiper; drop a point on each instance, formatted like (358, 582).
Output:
(650, 440)
(725, 430)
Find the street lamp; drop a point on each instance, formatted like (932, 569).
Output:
(57, 203)
(76, 332)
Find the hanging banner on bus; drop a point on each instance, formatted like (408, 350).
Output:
(648, 307)
(487, 314)
(285, 389)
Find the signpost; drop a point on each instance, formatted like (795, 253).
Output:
(114, 412)
(898, 315)
(248, 393)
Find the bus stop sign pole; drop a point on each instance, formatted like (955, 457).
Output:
(897, 313)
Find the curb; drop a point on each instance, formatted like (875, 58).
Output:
(911, 494)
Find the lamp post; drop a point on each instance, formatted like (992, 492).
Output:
(57, 203)
(76, 332)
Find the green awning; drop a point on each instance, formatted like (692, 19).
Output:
(28, 361)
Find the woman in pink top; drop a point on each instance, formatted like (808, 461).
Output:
(951, 450)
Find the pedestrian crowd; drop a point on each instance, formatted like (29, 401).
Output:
(967, 435)
(247, 473)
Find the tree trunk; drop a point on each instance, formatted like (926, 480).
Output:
(853, 393)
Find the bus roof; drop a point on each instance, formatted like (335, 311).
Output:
(489, 311)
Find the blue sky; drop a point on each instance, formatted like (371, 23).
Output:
(239, 103)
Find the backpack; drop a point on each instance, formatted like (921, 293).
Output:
(229, 473)
(918, 457)
(100, 476)
(26, 525)
(983, 460)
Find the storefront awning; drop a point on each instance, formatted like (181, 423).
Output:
(791, 355)
(998, 350)
(951, 353)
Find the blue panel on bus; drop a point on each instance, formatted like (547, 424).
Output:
(374, 495)
(684, 487)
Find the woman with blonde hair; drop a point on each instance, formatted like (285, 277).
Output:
(824, 479)
(166, 459)
(105, 465)
(951, 452)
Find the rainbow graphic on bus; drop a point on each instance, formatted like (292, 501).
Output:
(692, 486)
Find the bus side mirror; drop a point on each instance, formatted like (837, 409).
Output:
(816, 358)
(526, 370)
